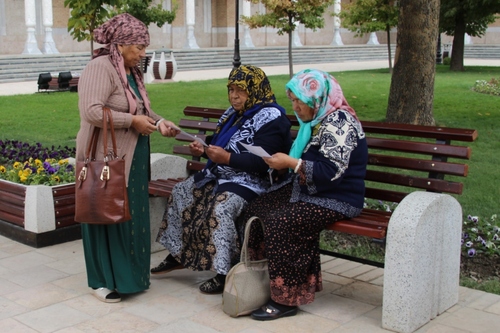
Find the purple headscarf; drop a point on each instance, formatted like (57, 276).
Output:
(126, 30)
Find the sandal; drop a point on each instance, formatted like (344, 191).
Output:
(107, 296)
(270, 312)
(167, 265)
(213, 286)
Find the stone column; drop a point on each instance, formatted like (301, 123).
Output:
(247, 39)
(337, 40)
(373, 39)
(467, 40)
(190, 20)
(31, 45)
(49, 47)
(295, 37)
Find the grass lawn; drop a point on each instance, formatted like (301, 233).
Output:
(53, 119)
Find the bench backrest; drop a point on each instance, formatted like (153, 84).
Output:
(402, 158)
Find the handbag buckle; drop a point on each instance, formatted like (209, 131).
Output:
(83, 174)
(105, 173)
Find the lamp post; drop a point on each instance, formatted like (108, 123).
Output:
(236, 57)
(439, 55)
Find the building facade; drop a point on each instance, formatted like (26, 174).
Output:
(40, 27)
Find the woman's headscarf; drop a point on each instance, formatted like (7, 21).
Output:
(320, 91)
(123, 29)
(255, 82)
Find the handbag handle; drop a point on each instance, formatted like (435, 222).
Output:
(244, 249)
(107, 118)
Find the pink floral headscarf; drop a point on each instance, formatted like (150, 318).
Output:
(126, 30)
(320, 91)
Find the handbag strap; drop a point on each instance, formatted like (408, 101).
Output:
(244, 249)
(107, 119)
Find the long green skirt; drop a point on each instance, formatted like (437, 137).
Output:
(118, 256)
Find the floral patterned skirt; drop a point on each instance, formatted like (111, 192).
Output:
(290, 243)
(198, 227)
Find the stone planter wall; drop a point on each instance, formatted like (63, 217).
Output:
(38, 215)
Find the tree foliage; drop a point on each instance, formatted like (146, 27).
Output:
(87, 15)
(366, 16)
(284, 15)
(460, 17)
(142, 10)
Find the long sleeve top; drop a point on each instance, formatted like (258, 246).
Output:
(247, 174)
(99, 86)
(334, 166)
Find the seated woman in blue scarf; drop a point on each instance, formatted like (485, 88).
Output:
(198, 226)
(325, 183)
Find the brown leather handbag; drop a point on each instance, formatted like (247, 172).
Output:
(101, 190)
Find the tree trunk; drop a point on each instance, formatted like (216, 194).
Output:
(412, 85)
(457, 50)
(290, 57)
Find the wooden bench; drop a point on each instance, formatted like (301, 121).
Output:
(401, 159)
(407, 165)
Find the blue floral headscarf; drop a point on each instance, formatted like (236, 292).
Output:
(320, 91)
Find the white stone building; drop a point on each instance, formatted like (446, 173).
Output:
(40, 27)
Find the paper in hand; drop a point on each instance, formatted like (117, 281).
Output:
(256, 150)
(192, 137)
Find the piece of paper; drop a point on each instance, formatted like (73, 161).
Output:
(194, 138)
(256, 150)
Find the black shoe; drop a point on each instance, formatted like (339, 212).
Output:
(214, 286)
(167, 265)
(270, 312)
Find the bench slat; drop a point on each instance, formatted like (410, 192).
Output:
(197, 125)
(440, 133)
(447, 168)
(430, 184)
(419, 147)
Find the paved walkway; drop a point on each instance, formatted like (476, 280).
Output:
(45, 290)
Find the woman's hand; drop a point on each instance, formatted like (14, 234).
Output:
(143, 124)
(168, 128)
(281, 161)
(196, 148)
(218, 154)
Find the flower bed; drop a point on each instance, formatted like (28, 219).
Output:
(37, 192)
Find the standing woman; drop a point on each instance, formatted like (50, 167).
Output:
(117, 257)
(325, 183)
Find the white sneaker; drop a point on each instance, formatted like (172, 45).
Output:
(107, 296)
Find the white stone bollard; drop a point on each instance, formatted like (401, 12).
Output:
(422, 260)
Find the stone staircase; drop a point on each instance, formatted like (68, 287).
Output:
(15, 68)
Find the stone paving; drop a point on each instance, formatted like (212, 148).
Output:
(45, 290)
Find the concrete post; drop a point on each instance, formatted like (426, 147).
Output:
(31, 45)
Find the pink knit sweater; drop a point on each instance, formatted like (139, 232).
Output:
(98, 86)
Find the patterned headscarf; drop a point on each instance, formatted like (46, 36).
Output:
(255, 82)
(320, 91)
(123, 29)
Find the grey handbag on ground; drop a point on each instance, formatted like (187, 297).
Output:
(247, 283)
